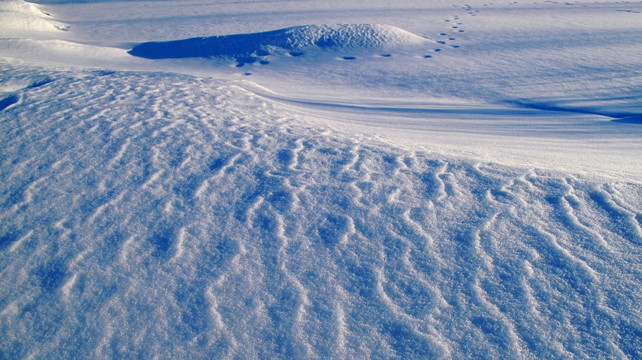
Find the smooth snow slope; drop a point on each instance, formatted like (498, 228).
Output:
(321, 206)
(557, 84)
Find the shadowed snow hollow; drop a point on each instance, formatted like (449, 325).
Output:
(294, 41)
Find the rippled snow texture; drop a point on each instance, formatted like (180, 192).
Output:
(160, 215)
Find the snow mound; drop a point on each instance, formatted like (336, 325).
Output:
(294, 41)
(20, 19)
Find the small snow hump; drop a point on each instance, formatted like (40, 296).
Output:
(298, 39)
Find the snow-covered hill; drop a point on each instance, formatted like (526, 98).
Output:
(337, 204)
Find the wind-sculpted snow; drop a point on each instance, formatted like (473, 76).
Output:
(294, 41)
(152, 215)
(20, 18)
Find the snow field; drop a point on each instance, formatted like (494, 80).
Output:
(463, 182)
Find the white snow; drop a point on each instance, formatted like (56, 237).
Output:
(23, 19)
(462, 182)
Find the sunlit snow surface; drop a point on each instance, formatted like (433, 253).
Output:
(350, 194)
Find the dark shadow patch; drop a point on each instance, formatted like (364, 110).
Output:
(243, 45)
(162, 242)
(226, 249)
(285, 156)
(327, 151)
(431, 182)
(8, 238)
(247, 59)
(265, 223)
(281, 200)
(39, 83)
(634, 119)
(264, 62)
(427, 56)
(51, 275)
(560, 106)
(349, 58)
(103, 72)
(361, 279)
(407, 344)
(8, 101)
(332, 229)
(493, 329)
(296, 53)
(386, 55)
(216, 164)
(630, 338)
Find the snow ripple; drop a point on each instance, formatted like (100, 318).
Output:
(148, 214)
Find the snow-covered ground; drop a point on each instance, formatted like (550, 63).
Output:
(320, 179)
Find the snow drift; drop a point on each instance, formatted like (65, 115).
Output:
(293, 41)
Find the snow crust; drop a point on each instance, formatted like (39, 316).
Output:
(370, 198)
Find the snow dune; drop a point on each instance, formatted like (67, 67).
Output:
(320, 207)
